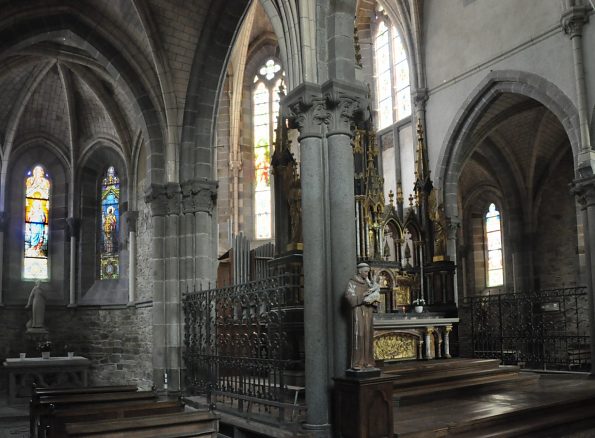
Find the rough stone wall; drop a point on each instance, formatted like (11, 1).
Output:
(556, 250)
(144, 272)
(117, 341)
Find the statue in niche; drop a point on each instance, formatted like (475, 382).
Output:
(37, 303)
(440, 234)
(363, 295)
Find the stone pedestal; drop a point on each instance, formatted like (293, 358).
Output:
(363, 408)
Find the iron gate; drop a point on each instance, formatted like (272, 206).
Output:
(547, 329)
(240, 347)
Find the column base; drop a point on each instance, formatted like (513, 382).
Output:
(317, 430)
(131, 304)
(71, 306)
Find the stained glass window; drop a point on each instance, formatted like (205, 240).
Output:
(393, 94)
(37, 212)
(265, 101)
(495, 268)
(110, 225)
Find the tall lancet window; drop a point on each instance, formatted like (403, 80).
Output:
(391, 70)
(37, 212)
(110, 225)
(265, 101)
(493, 229)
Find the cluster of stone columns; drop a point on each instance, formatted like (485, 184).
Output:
(325, 116)
(183, 260)
(573, 20)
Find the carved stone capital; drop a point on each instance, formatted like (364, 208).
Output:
(346, 105)
(452, 226)
(131, 220)
(199, 195)
(584, 190)
(306, 110)
(235, 166)
(573, 19)
(73, 226)
(164, 199)
(420, 97)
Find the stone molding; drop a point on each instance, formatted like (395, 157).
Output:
(199, 195)
(73, 226)
(164, 199)
(420, 97)
(573, 19)
(131, 220)
(584, 190)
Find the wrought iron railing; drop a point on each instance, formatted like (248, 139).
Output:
(546, 329)
(240, 348)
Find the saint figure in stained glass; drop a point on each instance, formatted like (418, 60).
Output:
(37, 206)
(110, 221)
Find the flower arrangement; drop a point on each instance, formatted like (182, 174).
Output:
(419, 302)
(45, 346)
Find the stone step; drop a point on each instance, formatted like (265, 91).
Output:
(441, 367)
(406, 381)
(489, 380)
(548, 419)
(534, 421)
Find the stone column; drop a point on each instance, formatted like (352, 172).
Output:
(165, 208)
(584, 189)
(307, 110)
(198, 248)
(573, 19)
(343, 103)
(447, 331)
(2, 227)
(428, 342)
(73, 228)
(131, 219)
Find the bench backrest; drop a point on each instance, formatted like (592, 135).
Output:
(186, 424)
(44, 392)
(38, 393)
(45, 405)
(59, 417)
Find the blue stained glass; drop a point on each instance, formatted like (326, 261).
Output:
(110, 225)
(36, 232)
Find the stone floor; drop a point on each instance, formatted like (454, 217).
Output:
(434, 415)
(441, 414)
(14, 420)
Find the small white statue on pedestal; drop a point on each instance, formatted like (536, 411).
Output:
(37, 302)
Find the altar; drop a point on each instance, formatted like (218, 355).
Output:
(45, 373)
(401, 336)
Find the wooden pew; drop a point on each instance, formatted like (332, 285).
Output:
(186, 424)
(46, 404)
(38, 393)
(58, 418)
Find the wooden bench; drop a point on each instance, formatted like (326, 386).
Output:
(47, 404)
(186, 424)
(58, 418)
(38, 393)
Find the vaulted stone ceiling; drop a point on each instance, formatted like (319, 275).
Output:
(515, 144)
(121, 72)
